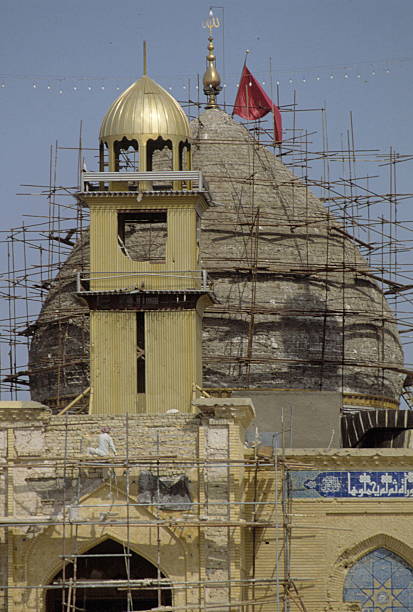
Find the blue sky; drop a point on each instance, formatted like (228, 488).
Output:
(97, 43)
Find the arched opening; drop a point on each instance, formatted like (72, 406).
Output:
(126, 155)
(381, 580)
(159, 154)
(83, 582)
(185, 156)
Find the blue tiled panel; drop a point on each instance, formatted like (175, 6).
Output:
(351, 483)
(381, 582)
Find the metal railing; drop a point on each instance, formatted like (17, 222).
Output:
(195, 277)
(96, 181)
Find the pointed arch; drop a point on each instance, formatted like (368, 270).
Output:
(380, 580)
(396, 551)
(178, 548)
(98, 567)
(379, 540)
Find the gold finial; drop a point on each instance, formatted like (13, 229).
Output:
(211, 80)
(145, 59)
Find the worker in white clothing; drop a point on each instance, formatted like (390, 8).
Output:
(106, 446)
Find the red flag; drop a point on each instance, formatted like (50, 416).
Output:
(253, 103)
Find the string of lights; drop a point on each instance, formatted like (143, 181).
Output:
(61, 84)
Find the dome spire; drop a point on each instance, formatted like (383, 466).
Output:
(212, 79)
(145, 59)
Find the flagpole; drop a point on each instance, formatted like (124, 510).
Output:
(246, 97)
(246, 87)
(242, 72)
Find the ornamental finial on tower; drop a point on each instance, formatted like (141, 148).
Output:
(212, 79)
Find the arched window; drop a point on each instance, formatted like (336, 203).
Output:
(380, 582)
(98, 581)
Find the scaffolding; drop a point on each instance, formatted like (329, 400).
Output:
(253, 518)
(363, 207)
(359, 190)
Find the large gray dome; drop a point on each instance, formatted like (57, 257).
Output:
(297, 308)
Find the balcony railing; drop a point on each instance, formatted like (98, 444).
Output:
(128, 281)
(143, 181)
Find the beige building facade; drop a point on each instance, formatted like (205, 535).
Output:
(247, 529)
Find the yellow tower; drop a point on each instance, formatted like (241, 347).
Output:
(145, 290)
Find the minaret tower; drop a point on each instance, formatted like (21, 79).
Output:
(145, 289)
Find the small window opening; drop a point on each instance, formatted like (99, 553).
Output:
(159, 157)
(140, 351)
(142, 235)
(159, 154)
(126, 156)
(198, 239)
(103, 157)
(184, 156)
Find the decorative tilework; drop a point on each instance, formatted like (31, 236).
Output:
(380, 582)
(371, 484)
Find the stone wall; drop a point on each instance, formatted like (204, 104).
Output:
(60, 499)
(65, 471)
(298, 307)
(284, 536)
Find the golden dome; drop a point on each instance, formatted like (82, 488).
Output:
(144, 110)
